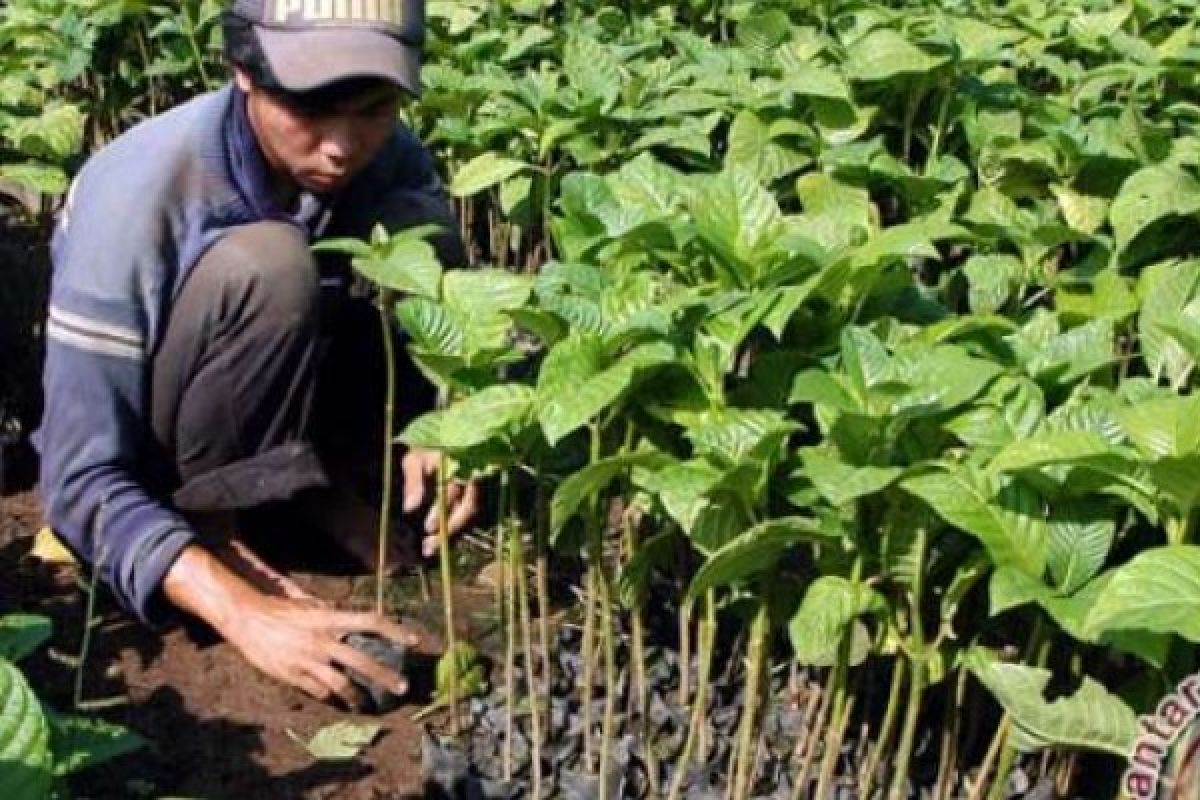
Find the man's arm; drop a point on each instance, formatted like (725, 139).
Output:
(290, 641)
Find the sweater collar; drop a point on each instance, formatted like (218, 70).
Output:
(252, 176)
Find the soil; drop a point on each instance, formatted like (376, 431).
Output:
(217, 727)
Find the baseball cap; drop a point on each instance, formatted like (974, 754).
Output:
(313, 43)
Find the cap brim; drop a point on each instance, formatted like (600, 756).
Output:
(307, 60)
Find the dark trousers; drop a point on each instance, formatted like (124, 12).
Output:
(264, 381)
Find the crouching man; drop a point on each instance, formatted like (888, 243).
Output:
(191, 332)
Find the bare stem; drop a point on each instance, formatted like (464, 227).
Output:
(389, 414)
(447, 586)
(883, 741)
(510, 649)
(748, 727)
(530, 684)
(542, 571)
(916, 684)
(708, 629)
(589, 664)
(610, 679)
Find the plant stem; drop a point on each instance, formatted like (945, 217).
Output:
(951, 731)
(589, 664)
(815, 730)
(531, 685)
(85, 642)
(540, 539)
(916, 685)
(939, 131)
(543, 585)
(610, 679)
(389, 414)
(510, 649)
(447, 587)
(708, 627)
(834, 734)
(1008, 756)
(1036, 651)
(866, 778)
(755, 669)
(981, 780)
(640, 692)
(501, 563)
(685, 652)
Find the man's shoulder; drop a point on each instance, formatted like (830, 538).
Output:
(160, 160)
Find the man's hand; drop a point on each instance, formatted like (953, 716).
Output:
(294, 640)
(420, 480)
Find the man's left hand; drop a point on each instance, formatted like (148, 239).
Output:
(420, 488)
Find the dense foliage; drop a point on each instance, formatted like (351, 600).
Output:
(888, 313)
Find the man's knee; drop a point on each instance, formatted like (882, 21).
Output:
(265, 269)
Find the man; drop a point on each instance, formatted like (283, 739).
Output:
(188, 317)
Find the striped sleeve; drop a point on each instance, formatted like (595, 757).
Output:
(94, 335)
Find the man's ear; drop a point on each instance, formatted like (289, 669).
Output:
(242, 80)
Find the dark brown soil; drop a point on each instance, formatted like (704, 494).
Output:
(218, 728)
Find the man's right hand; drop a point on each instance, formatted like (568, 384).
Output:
(293, 640)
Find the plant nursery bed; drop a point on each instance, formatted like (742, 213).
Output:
(217, 728)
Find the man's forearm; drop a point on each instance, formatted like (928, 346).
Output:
(201, 584)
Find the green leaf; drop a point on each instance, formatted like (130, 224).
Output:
(830, 605)
(1067, 357)
(683, 489)
(1166, 289)
(577, 382)
(754, 551)
(592, 69)
(1091, 718)
(883, 54)
(991, 279)
(402, 262)
(1055, 447)
(1083, 213)
(26, 764)
(485, 292)
(737, 218)
(35, 177)
(1081, 536)
(751, 148)
(1149, 195)
(483, 172)
(1165, 427)
(1158, 591)
(734, 434)
(341, 741)
(22, 634)
(54, 135)
(822, 389)
(496, 411)
(589, 482)
(841, 483)
(836, 216)
(1006, 517)
(81, 743)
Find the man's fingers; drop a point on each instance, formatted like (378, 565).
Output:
(348, 657)
(351, 621)
(413, 466)
(337, 683)
(311, 686)
(465, 508)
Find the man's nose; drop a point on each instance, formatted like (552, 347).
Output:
(338, 143)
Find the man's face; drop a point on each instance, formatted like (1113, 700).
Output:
(321, 140)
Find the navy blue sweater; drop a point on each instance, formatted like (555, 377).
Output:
(140, 214)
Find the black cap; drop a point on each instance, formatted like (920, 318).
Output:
(312, 43)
